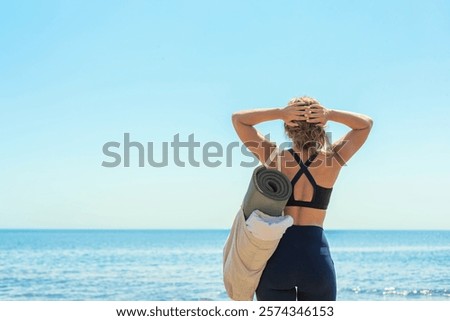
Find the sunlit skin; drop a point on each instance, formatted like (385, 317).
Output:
(325, 168)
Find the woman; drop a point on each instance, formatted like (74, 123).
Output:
(301, 267)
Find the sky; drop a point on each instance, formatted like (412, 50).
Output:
(76, 75)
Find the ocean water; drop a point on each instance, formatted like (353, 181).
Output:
(187, 264)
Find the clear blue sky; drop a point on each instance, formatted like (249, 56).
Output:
(78, 74)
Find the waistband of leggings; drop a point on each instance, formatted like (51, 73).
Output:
(307, 227)
(306, 232)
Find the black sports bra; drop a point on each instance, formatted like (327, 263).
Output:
(321, 195)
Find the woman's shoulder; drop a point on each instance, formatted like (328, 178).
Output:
(327, 162)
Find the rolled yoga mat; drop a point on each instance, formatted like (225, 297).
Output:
(268, 191)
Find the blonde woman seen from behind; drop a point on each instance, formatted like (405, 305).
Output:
(301, 267)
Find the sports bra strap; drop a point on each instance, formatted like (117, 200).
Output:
(310, 159)
(321, 195)
(303, 168)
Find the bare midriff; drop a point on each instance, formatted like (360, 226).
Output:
(306, 215)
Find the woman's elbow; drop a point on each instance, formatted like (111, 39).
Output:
(366, 125)
(235, 117)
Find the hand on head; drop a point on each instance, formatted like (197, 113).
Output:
(317, 114)
(302, 111)
(295, 112)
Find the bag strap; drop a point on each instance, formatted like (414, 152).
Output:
(273, 154)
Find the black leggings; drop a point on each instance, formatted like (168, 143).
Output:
(300, 269)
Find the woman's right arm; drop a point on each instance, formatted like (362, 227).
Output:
(351, 142)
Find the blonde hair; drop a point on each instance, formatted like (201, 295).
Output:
(308, 136)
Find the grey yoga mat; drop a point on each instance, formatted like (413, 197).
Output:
(268, 191)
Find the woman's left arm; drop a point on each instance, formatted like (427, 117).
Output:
(243, 122)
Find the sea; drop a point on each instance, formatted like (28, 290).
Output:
(178, 265)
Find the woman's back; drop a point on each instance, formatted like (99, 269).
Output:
(312, 179)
